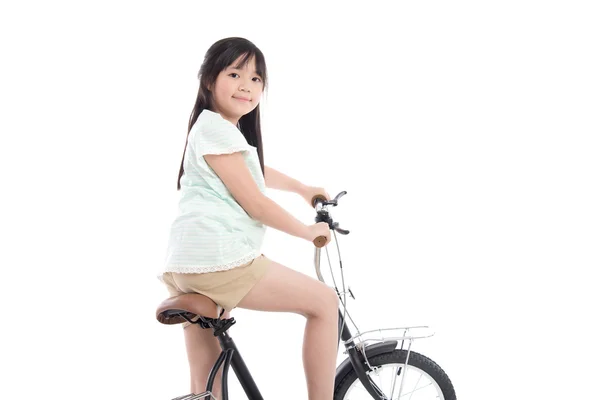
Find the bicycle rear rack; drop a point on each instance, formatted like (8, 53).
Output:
(399, 334)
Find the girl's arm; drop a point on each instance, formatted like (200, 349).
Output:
(233, 171)
(278, 180)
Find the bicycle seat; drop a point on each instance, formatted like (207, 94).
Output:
(192, 304)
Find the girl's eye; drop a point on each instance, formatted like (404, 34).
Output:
(235, 75)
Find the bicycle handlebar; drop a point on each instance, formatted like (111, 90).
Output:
(323, 216)
(319, 198)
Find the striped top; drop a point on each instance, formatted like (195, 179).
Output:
(212, 232)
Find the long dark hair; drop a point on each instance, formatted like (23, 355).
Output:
(218, 57)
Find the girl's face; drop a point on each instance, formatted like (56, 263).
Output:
(237, 92)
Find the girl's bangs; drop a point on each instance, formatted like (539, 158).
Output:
(258, 60)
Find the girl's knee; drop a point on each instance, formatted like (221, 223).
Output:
(327, 303)
(332, 298)
(335, 303)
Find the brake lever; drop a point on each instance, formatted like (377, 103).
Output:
(334, 202)
(339, 195)
(336, 227)
(326, 202)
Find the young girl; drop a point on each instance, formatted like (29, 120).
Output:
(215, 241)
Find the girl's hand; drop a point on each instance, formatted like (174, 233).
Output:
(319, 229)
(308, 192)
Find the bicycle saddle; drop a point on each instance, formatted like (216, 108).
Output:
(170, 311)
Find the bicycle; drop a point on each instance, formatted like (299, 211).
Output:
(369, 355)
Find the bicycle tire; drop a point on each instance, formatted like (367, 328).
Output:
(415, 360)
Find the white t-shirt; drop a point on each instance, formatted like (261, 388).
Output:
(212, 232)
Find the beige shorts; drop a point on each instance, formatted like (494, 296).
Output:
(225, 288)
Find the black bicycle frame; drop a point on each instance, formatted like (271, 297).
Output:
(231, 356)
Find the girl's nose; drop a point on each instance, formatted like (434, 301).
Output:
(244, 85)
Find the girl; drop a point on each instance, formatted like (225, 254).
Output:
(215, 241)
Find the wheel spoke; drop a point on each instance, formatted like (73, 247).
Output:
(415, 390)
(379, 370)
(394, 382)
(404, 381)
(416, 384)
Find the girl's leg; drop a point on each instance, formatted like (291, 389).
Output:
(283, 289)
(203, 349)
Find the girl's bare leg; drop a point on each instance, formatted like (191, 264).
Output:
(283, 289)
(203, 349)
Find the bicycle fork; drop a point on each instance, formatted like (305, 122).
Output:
(359, 363)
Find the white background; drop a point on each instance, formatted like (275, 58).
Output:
(465, 132)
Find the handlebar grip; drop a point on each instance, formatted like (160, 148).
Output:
(317, 197)
(320, 241)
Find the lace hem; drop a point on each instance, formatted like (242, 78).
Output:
(197, 269)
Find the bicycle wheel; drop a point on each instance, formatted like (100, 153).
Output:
(423, 379)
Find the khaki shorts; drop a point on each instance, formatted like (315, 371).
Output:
(225, 288)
